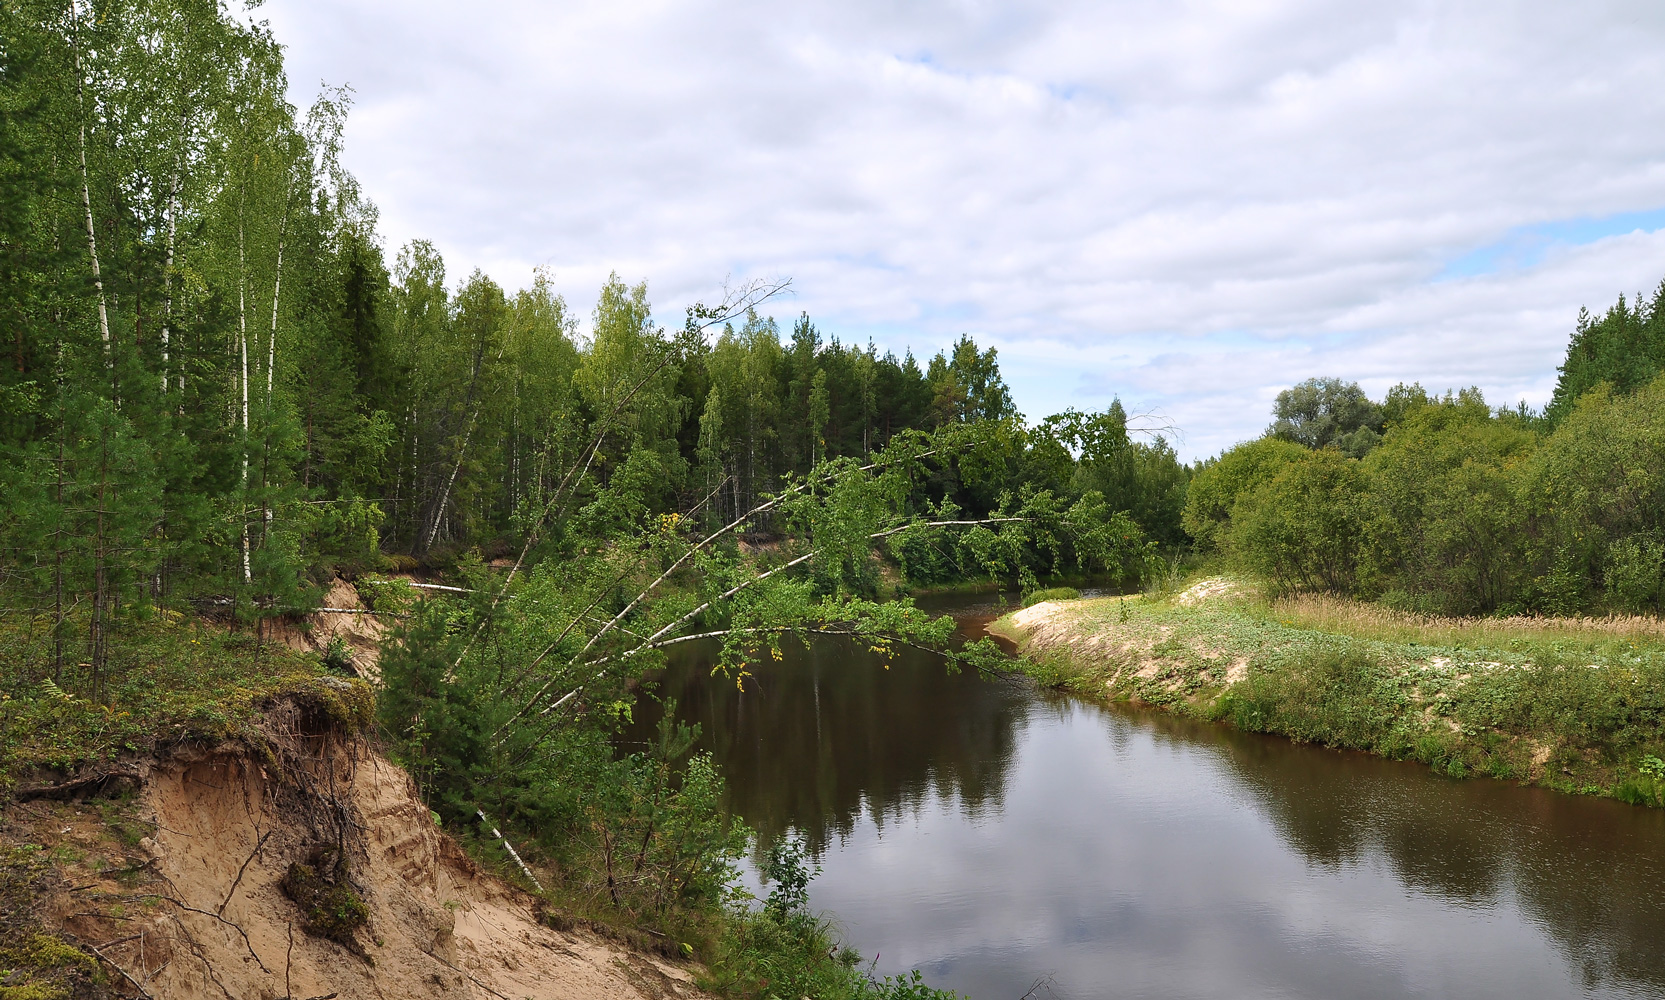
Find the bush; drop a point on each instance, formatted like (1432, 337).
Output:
(1052, 594)
(787, 951)
(1340, 698)
(1636, 574)
(1301, 530)
(1216, 488)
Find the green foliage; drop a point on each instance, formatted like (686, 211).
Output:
(1144, 479)
(323, 889)
(1635, 574)
(786, 950)
(1324, 411)
(1337, 697)
(1459, 509)
(167, 680)
(35, 965)
(1443, 513)
(1624, 349)
(1219, 484)
(1301, 528)
(788, 871)
(1052, 594)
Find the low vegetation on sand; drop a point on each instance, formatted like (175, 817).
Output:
(1576, 704)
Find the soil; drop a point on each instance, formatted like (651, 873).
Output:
(180, 887)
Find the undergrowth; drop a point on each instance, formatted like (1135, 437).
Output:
(35, 965)
(167, 680)
(784, 950)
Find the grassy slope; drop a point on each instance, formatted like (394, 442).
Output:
(173, 680)
(1574, 704)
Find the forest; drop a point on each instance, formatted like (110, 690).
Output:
(1441, 504)
(221, 398)
(221, 393)
(220, 388)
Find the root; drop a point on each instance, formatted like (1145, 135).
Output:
(238, 880)
(112, 963)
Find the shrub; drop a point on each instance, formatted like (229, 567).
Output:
(1052, 594)
(1340, 698)
(1215, 490)
(1301, 529)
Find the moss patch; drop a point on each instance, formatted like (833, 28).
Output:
(35, 965)
(329, 903)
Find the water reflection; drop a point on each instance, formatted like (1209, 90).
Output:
(1589, 872)
(990, 834)
(832, 735)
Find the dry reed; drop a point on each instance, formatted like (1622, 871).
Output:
(1335, 614)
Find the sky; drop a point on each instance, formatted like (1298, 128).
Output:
(1187, 205)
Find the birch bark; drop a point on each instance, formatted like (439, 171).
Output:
(243, 352)
(271, 357)
(86, 188)
(167, 285)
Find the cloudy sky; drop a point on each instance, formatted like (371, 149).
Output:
(1189, 205)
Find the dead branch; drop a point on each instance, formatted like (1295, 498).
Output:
(210, 913)
(107, 960)
(238, 880)
(75, 786)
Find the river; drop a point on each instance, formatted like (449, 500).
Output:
(994, 835)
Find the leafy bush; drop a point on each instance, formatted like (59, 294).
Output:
(1221, 482)
(1052, 594)
(785, 950)
(1636, 574)
(1337, 697)
(1301, 529)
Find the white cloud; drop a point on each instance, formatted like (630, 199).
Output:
(1188, 204)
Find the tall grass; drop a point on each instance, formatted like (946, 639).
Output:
(1334, 614)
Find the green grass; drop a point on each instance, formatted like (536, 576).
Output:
(168, 680)
(1052, 594)
(1575, 704)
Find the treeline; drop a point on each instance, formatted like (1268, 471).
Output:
(1443, 504)
(219, 390)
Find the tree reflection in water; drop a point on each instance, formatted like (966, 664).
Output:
(1588, 871)
(1047, 834)
(825, 736)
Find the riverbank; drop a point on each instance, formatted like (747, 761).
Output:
(125, 810)
(1572, 704)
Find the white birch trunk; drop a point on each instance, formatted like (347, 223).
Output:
(86, 189)
(243, 352)
(445, 495)
(277, 288)
(167, 286)
(271, 342)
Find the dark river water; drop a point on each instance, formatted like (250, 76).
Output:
(993, 835)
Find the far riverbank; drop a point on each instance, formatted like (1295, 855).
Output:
(1577, 705)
